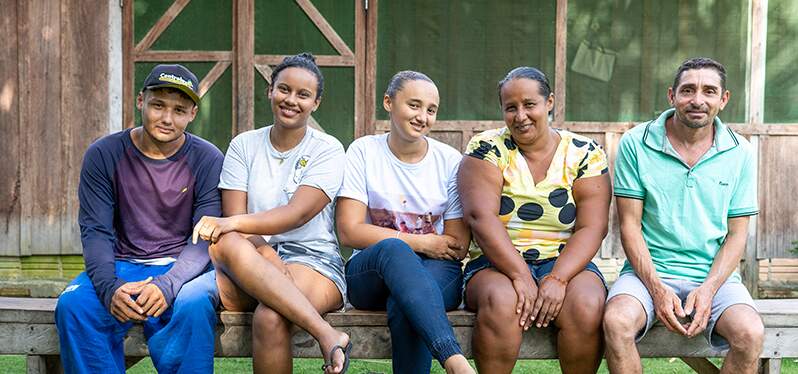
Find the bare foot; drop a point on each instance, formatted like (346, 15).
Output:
(328, 345)
(458, 364)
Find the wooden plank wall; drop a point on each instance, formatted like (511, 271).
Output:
(53, 104)
(9, 142)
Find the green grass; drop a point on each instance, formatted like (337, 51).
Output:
(16, 364)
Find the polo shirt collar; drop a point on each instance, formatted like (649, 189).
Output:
(655, 138)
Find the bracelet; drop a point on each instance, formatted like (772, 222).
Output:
(397, 234)
(556, 278)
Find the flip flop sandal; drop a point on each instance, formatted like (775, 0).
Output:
(346, 350)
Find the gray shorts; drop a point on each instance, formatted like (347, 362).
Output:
(730, 293)
(329, 264)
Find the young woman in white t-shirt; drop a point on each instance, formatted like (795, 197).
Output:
(276, 252)
(399, 206)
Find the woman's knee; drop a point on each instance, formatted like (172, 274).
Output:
(268, 324)
(584, 311)
(496, 304)
(218, 251)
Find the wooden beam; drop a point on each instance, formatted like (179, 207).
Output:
(128, 66)
(182, 56)
(325, 28)
(758, 44)
(265, 72)
(770, 366)
(11, 145)
(84, 54)
(39, 74)
(321, 60)
(370, 90)
(749, 268)
(648, 60)
(166, 19)
(212, 76)
(360, 68)
(607, 127)
(755, 114)
(701, 365)
(243, 67)
(560, 60)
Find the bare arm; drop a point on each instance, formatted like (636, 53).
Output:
(592, 197)
(726, 260)
(730, 253)
(666, 303)
(353, 231)
(306, 203)
(480, 185)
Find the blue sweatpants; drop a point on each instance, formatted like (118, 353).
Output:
(181, 340)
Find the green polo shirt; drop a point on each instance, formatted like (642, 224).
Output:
(685, 210)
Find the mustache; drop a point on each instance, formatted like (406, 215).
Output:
(697, 108)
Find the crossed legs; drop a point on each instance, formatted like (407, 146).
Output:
(251, 276)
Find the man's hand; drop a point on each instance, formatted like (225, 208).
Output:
(123, 307)
(668, 306)
(700, 300)
(551, 294)
(442, 247)
(526, 291)
(152, 301)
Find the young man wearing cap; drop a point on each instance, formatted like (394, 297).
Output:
(141, 192)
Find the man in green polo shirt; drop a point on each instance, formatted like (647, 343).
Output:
(685, 186)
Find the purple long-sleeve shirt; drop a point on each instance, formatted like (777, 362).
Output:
(135, 207)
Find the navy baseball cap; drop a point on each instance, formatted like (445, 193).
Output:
(175, 76)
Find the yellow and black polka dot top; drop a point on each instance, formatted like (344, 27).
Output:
(539, 217)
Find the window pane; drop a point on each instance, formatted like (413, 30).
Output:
(465, 46)
(183, 33)
(644, 42)
(781, 82)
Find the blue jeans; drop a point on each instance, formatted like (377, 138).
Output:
(416, 291)
(181, 340)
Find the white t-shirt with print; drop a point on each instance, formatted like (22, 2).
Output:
(271, 177)
(413, 198)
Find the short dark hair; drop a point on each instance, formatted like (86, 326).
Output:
(700, 63)
(304, 60)
(529, 73)
(398, 81)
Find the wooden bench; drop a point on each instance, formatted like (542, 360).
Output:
(27, 328)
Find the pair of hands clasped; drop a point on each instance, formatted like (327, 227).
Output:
(538, 304)
(668, 308)
(149, 302)
(444, 247)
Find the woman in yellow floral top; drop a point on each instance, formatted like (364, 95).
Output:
(537, 200)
